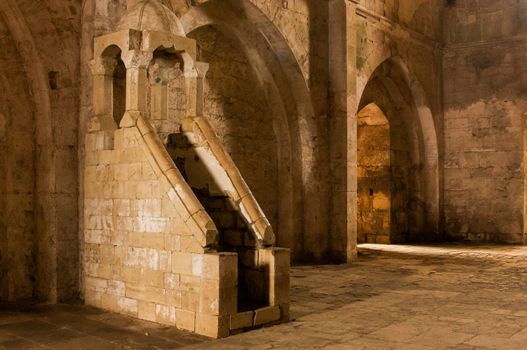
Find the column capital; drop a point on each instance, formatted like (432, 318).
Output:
(103, 65)
(136, 59)
(202, 68)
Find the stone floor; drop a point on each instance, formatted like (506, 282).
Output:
(72, 327)
(394, 297)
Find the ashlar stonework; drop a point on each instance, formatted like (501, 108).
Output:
(172, 233)
(155, 154)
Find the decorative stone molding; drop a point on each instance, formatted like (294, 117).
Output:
(195, 211)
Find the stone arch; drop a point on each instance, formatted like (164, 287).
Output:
(169, 75)
(399, 88)
(34, 67)
(116, 70)
(380, 54)
(43, 140)
(282, 81)
(48, 67)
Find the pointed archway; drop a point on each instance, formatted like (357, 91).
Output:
(405, 205)
(373, 176)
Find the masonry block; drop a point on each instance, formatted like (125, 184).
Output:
(212, 326)
(242, 320)
(186, 320)
(266, 315)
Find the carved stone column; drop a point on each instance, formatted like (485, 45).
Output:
(136, 63)
(202, 69)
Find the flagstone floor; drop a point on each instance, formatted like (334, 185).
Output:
(393, 297)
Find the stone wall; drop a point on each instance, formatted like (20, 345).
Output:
(241, 116)
(398, 67)
(485, 80)
(39, 188)
(17, 175)
(374, 176)
(421, 16)
(143, 254)
(410, 30)
(288, 47)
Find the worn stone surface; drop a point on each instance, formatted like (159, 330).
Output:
(485, 103)
(282, 86)
(154, 239)
(83, 327)
(393, 297)
(403, 297)
(374, 176)
(38, 167)
(241, 115)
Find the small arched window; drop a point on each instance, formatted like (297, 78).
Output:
(118, 83)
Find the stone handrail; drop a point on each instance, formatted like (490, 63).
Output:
(205, 230)
(201, 136)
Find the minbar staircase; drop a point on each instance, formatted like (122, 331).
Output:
(172, 232)
(217, 183)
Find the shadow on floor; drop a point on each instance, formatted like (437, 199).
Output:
(37, 326)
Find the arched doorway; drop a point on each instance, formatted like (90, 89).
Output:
(373, 176)
(397, 168)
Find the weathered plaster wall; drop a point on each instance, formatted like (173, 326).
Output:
(485, 80)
